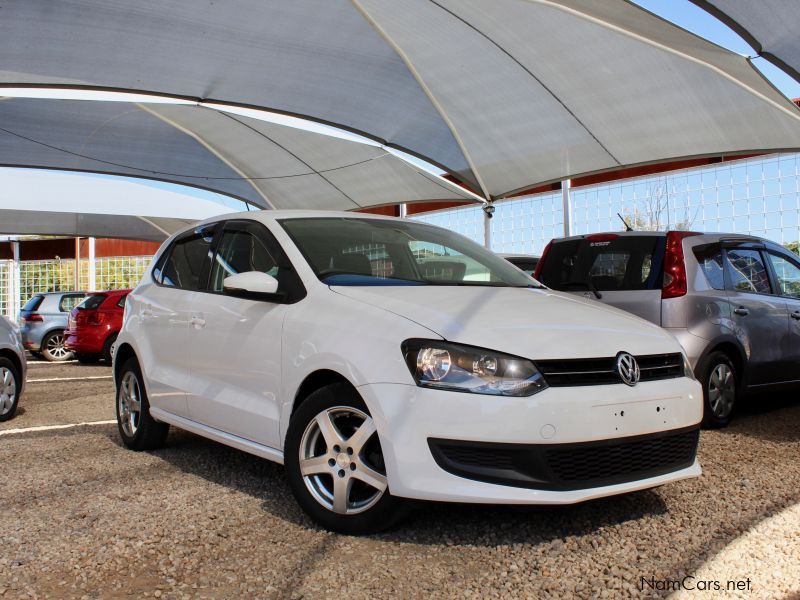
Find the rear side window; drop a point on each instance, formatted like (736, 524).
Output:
(748, 273)
(186, 265)
(33, 303)
(607, 263)
(710, 260)
(92, 302)
(70, 301)
(122, 300)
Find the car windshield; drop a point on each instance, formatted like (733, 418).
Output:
(357, 252)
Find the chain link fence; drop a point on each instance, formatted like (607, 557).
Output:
(36, 276)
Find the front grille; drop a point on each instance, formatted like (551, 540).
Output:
(602, 371)
(569, 466)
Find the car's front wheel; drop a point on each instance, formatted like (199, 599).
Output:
(720, 390)
(9, 389)
(138, 429)
(335, 464)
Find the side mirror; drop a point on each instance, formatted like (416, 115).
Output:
(253, 285)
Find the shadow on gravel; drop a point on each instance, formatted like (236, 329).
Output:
(769, 417)
(429, 522)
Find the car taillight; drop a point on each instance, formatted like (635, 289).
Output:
(540, 264)
(95, 318)
(33, 318)
(674, 266)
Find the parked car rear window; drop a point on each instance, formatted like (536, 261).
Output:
(619, 263)
(92, 302)
(70, 301)
(33, 303)
(122, 300)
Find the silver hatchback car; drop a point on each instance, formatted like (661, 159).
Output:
(43, 320)
(12, 368)
(732, 301)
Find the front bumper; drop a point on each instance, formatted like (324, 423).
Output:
(409, 417)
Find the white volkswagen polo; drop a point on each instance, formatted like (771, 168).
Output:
(382, 359)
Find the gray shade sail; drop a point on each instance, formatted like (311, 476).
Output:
(771, 27)
(266, 164)
(503, 94)
(35, 222)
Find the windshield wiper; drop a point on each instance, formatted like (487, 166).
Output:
(587, 285)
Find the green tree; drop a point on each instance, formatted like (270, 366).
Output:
(793, 246)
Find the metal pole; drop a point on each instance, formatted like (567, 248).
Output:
(92, 280)
(77, 264)
(14, 295)
(566, 201)
(403, 212)
(487, 228)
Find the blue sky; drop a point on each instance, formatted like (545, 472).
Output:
(685, 14)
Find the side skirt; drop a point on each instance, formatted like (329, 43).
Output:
(239, 443)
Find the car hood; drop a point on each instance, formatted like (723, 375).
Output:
(537, 324)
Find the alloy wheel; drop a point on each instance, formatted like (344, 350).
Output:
(721, 390)
(129, 403)
(8, 390)
(56, 347)
(341, 462)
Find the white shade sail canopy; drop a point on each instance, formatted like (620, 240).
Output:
(265, 164)
(502, 94)
(55, 203)
(771, 27)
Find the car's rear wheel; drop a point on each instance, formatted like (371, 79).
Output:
(53, 348)
(108, 348)
(720, 390)
(138, 429)
(9, 389)
(335, 463)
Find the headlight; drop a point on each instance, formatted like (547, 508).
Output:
(687, 368)
(447, 366)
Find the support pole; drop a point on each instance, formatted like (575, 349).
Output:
(488, 211)
(92, 277)
(14, 300)
(403, 210)
(566, 200)
(77, 285)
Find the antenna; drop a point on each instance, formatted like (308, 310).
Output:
(624, 222)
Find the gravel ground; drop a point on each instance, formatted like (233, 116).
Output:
(84, 517)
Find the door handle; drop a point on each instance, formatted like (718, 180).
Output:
(197, 322)
(741, 310)
(796, 315)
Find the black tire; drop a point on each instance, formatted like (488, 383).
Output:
(52, 347)
(107, 354)
(719, 397)
(147, 434)
(385, 511)
(87, 359)
(7, 411)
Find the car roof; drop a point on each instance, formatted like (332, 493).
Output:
(274, 215)
(110, 292)
(525, 256)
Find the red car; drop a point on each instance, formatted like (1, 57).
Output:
(94, 324)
